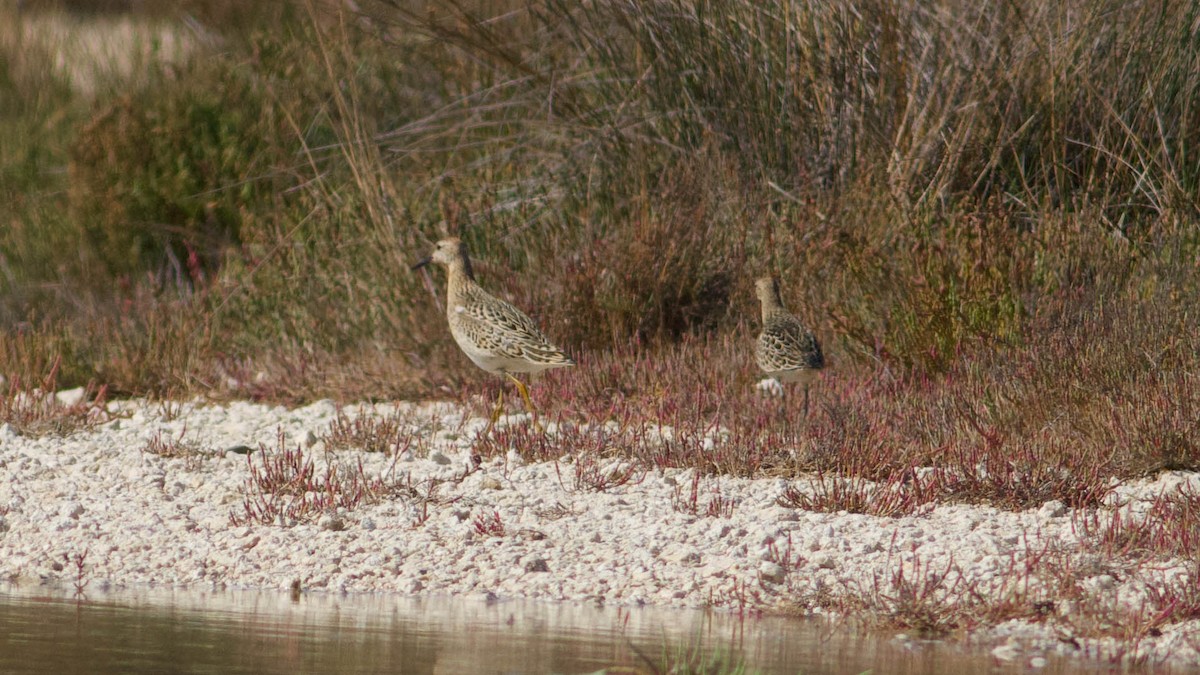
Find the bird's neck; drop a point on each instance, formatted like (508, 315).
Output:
(459, 279)
(772, 304)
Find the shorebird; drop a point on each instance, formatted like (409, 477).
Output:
(496, 336)
(786, 350)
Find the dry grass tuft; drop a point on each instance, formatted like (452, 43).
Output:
(42, 410)
(392, 434)
(286, 487)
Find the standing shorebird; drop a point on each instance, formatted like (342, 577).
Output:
(496, 336)
(786, 350)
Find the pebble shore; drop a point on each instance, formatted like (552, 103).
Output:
(139, 519)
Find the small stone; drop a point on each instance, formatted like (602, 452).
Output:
(490, 483)
(772, 572)
(70, 397)
(1053, 509)
(824, 562)
(530, 534)
(239, 449)
(331, 522)
(437, 456)
(537, 565)
(367, 524)
(1038, 662)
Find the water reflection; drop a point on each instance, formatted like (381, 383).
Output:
(268, 632)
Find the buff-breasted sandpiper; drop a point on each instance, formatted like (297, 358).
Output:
(496, 336)
(786, 350)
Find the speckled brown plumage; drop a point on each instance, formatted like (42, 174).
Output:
(496, 336)
(786, 350)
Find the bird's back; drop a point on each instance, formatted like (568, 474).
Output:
(787, 350)
(497, 336)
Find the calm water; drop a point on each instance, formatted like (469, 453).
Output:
(43, 630)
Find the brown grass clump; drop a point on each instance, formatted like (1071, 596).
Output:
(286, 487)
(175, 447)
(489, 524)
(710, 504)
(1169, 528)
(898, 495)
(667, 271)
(1040, 584)
(39, 411)
(391, 434)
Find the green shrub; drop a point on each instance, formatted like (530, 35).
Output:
(160, 177)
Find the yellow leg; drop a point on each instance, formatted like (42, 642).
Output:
(524, 392)
(499, 406)
(495, 412)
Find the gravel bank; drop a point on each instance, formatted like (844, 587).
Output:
(145, 519)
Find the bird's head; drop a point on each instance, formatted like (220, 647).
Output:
(767, 289)
(449, 252)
